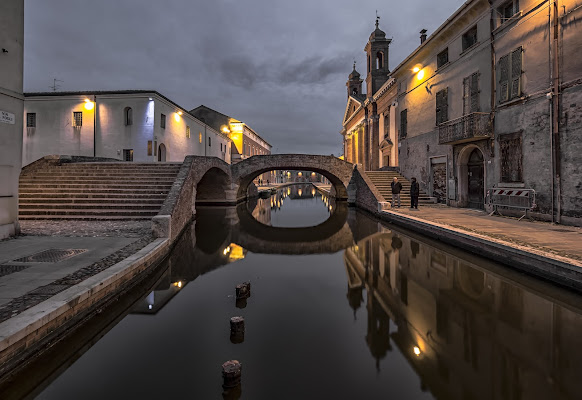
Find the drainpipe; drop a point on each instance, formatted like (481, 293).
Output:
(550, 94)
(493, 77)
(95, 126)
(555, 116)
(205, 140)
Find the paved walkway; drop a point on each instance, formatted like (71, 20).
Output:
(52, 256)
(565, 241)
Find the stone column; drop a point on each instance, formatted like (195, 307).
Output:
(361, 146)
(353, 148)
(375, 145)
(366, 159)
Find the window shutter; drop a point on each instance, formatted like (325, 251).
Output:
(516, 66)
(466, 96)
(474, 92)
(504, 78)
(403, 123)
(442, 106)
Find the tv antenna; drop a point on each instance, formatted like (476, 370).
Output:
(54, 87)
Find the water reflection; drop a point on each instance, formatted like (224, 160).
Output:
(396, 315)
(469, 328)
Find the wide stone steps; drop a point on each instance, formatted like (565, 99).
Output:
(382, 180)
(96, 191)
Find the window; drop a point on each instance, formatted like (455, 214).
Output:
(128, 116)
(209, 142)
(471, 94)
(200, 137)
(220, 146)
(163, 121)
(30, 120)
(443, 58)
(508, 10)
(187, 131)
(442, 106)
(510, 70)
(149, 147)
(127, 154)
(155, 147)
(403, 123)
(510, 147)
(470, 38)
(379, 60)
(77, 119)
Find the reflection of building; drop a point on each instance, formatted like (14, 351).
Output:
(11, 105)
(492, 98)
(288, 176)
(467, 331)
(245, 141)
(136, 125)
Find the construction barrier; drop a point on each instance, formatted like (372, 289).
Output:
(522, 199)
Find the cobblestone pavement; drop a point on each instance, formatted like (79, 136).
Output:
(141, 230)
(86, 228)
(565, 241)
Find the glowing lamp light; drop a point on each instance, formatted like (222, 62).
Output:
(415, 69)
(179, 112)
(420, 74)
(177, 116)
(89, 104)
(416, 350)
(300, 191)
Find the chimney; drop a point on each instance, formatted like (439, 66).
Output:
(422, 36)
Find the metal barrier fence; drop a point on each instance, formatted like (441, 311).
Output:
(522, 199)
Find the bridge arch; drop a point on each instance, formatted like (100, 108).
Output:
(337, 171)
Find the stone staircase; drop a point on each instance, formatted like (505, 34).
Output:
(96, 191)
(382, 181)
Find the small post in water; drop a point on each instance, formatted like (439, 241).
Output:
(237, 330)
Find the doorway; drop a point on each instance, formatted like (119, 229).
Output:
(476, 175)
(162, 152)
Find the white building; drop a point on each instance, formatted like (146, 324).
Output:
(132, 125)
(11, 105)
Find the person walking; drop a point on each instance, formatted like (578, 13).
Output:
(414, 192)
(396, 188)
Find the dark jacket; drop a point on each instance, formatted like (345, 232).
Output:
(414, 189)
(396, 188)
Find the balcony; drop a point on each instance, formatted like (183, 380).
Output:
(468, 128)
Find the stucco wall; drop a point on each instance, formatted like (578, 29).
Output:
(11, 101)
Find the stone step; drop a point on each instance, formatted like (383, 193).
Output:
(85, 217)
(91, 180)
(58, 173)
(93, 200)
(92, 196)
(89, 212)
(108, 191)
(89, 206)
(67, 186)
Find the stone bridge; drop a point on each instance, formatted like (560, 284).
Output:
(337, 171)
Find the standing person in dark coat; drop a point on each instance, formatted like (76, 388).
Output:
(396, 188)
(414, 192)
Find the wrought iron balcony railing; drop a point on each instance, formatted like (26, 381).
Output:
(470, 127)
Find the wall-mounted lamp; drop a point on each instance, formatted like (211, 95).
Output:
(4, 50)
(89, 105)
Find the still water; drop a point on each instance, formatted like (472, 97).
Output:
(342, 307)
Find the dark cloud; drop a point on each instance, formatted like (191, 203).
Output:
(280, 66)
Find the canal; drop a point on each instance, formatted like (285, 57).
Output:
(342, 306)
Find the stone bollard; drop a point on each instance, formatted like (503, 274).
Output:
(241, 303)
(231, 374)
(237, 330)
(243, 290)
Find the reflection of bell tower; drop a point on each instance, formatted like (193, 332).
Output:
(377, 56)
(355, 298)
(354, 83)
(378, 336)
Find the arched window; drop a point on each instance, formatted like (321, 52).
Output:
(355, 91)
(128, 116)
(379, 60)
(369, 65)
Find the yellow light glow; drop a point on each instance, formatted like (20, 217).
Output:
(179, 112)
(330, 207)
(420, 74)
(300, 174)
(415, 69)
(89, 104)
(313, 192)
(288, 191)
(225, 252)
(416, 350)
(178, 284)
(177, 117)
(300, 191)
(236, 252)
(313, 174)
(288, 174)
(225, 129)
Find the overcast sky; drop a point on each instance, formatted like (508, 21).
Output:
(280, 66)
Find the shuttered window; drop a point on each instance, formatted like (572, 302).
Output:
(510, 147)
(443, 58)
(471, 94)
(442, 106)
(510, 71)
(30, 120)
(77, 119)
(403, 123)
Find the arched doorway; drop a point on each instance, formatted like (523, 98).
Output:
(162, 152)
(476, 180)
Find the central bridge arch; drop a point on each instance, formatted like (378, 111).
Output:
(337, 171)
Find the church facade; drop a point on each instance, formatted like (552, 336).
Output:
(487, 102)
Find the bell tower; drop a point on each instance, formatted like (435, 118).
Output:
(354, 83)
(377, 55)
